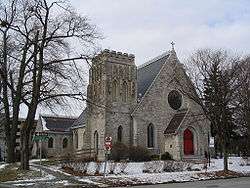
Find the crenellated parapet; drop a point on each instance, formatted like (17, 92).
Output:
(115, 57)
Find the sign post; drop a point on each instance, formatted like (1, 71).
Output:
(40, 156)
(108, 146)
(211, 150)
(40, 136)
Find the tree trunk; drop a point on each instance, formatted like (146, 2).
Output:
(225, 161)
(216, 147)
(221, 150)
(11, 156)
(25, 150)
(248, 133)
(225, 152)
(26, 136)
(37, 77)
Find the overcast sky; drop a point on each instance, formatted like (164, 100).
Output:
(147, 27)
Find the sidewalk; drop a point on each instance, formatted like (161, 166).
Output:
(50, 178)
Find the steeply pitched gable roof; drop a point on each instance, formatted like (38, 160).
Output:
(175, 122)
(57, 124)
(81, 120)
(147, 72)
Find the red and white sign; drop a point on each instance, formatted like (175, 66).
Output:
(108, 143)
(108, 139)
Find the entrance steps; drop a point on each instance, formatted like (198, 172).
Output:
(194, 158)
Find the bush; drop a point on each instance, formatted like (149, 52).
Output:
(119, 152)
(166, 156)
(153, 167)
(123, 166)
(155, 157)
(112, 167)
(176, 166)
(138, 154)
(98, 166)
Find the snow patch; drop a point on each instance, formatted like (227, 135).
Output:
(44, 124)
(24, 184)
(2, 166)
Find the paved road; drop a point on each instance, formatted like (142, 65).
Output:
(225, 183)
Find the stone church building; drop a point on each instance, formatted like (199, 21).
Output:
(141, 105)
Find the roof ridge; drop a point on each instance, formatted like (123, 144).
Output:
(154, 60)
(58, 116)
(83, 114)
(182, 115)
(185, 115)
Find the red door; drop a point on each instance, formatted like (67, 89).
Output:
(188, 142)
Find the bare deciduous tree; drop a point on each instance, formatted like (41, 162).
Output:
(45, 66)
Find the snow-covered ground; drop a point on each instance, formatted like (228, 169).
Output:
(134, 173)
(236, 164)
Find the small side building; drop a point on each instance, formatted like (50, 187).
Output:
(59, 142)
(78, 133)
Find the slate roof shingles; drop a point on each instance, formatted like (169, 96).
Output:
(59, 124)
(147, 72)
(81, 120)
(175, 123)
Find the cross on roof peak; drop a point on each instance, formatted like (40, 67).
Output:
(172, 43)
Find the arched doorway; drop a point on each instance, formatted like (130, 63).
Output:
(188, 142)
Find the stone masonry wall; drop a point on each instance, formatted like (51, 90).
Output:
(154, 108)
(58, 150)
(110, 72)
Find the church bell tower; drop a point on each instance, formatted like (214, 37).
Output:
(111, 97)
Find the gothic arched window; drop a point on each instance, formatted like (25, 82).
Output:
(96, 142)
(133, 89)
(150, 135)
(83, 137)
(124, 92)
(50, 142)
(76, 139)
(93, 74)
(115, 90)
(119, 134)
(65, 143)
